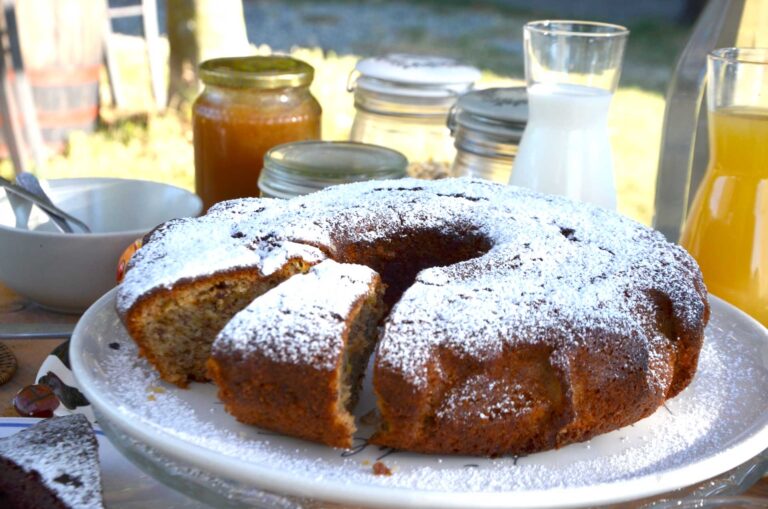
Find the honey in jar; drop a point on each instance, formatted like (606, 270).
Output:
(248, 106)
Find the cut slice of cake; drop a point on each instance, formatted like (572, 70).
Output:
(174, 329)
(53, 464)
(293, 360)
(174, 298)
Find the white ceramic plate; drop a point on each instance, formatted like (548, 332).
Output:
(124, 485)
(717, 423)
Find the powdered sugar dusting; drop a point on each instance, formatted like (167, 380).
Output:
(302, 320)
(185, 249)
(725, 404)
(511, 400)
(64, 452)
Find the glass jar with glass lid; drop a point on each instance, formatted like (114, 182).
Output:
(487, 126)
(402, 102)
(249, 105)
(299, 168)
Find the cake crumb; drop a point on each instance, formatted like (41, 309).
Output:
(380, 468)
(370, 418)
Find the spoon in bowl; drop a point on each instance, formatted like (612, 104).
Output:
(29, 182)
(21, 210)
(46, 205)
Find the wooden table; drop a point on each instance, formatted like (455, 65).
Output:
(30, 354)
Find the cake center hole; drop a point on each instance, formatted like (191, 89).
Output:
(401, 257)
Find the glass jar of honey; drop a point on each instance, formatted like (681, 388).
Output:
(248, 106)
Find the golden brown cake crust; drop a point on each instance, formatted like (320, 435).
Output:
(298, 400)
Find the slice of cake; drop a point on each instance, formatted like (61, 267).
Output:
(293, 360)
(54, 463)
(173, 306)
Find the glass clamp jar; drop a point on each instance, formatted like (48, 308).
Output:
(402, 102)
(294, 169)
(487, 126)
(248, 106)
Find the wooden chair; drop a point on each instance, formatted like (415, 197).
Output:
(147, 10)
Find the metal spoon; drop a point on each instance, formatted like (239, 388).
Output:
(29, 182)
(45, 205)
(21, 209)
(22, 214)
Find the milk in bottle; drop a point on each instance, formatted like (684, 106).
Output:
(565, 148)
(571, 69)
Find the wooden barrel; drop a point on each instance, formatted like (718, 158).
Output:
(62, 48)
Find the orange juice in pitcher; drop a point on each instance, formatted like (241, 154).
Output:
(727, 227)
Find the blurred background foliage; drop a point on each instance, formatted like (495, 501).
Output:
(137, 142)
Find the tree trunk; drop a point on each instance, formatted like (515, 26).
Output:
(199, 30)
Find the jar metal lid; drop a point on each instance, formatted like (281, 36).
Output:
(498, 111)
(415, 75)
(298, 168)
(262, 72)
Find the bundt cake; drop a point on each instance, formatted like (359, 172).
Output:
(515, 321)
(53, 464)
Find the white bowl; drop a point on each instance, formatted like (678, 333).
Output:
(69, 271)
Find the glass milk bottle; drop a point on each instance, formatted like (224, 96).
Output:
(727, 227)
(572, 69)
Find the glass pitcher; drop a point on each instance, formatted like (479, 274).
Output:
(727, 227)
(572, 69)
